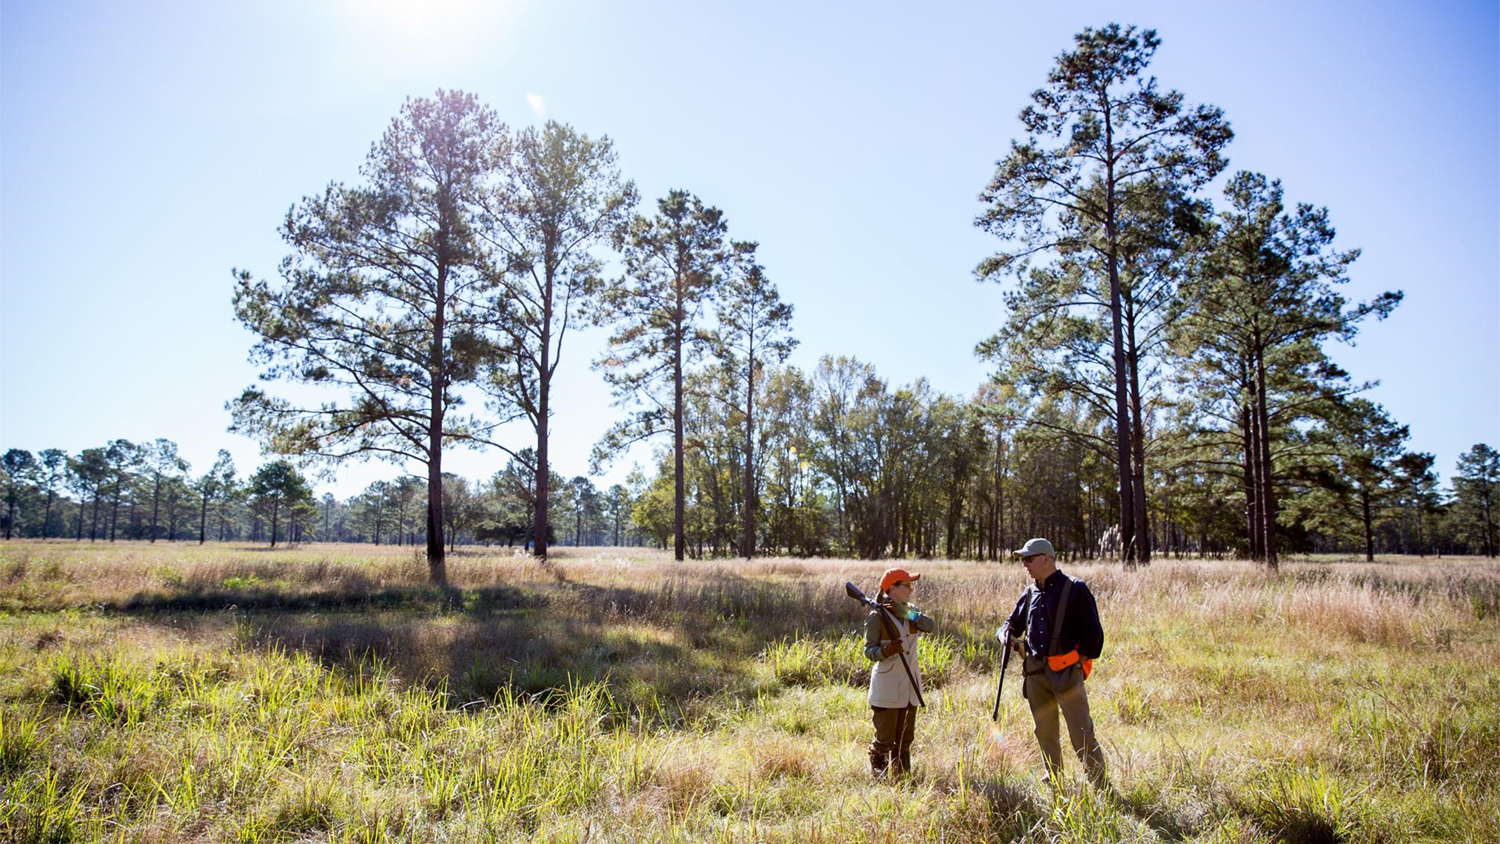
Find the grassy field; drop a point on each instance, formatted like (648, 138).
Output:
(173, 692)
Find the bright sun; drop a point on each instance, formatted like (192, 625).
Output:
(439, 27)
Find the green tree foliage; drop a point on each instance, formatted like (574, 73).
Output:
(560, 196)
(163, 465)
(510, 495)
(384, 298)
(1476, 488)
(1416, 494)
(1252, 342)
(1371, 443)
(20, 468)
(754, 328)
(53, 466)
(86, 473)
(674, 264)
(1117, 143)
(214, 485)
(277, 489)
(586, 508)
(372, 510)
(617, 509)
(123, 458)
(461, 507)
(784, 458)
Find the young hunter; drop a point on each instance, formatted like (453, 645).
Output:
(1060, 622)
(895, 688)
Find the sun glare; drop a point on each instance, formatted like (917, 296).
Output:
(435, 27)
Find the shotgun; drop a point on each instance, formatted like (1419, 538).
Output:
(1004, 661)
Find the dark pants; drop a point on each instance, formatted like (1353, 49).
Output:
(892, 745)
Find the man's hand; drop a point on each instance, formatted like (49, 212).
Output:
(892, 648)
(1003, 634)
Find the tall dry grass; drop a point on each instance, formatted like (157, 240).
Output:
(172, 693)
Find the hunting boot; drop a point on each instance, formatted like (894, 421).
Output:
(902, 766)
(897, 768)
(879, 761)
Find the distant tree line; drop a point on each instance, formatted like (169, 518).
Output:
(849, 466)
(853, 465)
(122, 491)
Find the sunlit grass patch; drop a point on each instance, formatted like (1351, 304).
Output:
(809, 661)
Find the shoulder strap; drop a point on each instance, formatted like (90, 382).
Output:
(1062, 610)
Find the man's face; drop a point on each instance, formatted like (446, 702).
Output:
(1039, 566)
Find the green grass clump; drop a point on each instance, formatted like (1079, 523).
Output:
(1300, 806)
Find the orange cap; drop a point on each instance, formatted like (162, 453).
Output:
(895, 576)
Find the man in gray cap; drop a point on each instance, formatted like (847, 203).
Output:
(1055, 626)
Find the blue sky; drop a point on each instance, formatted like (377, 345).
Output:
(145, 149)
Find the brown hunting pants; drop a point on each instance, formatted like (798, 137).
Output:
(892, 745)
(1074, 705)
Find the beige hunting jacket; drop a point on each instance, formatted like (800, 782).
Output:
(889, 686)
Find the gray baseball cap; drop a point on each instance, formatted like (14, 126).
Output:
(1034, 547)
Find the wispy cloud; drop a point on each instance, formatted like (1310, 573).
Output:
(538, 104)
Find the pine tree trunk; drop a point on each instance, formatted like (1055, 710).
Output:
(1138, 450)
(1364, 500)
(203, 521)
(748, 546)
(1252, 484)
(437, 569)
(114, 511)
(1252, 503)
(998, 544)
(1268, 492)
(155, 505)
(1122, 410)
(679, 544)
(543, 470)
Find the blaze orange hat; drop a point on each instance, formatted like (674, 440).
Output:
(895, 576)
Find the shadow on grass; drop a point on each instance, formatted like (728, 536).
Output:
(419, 598)
(1014, 811)
(674, 642)
(1169, 822)
(527, 654)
